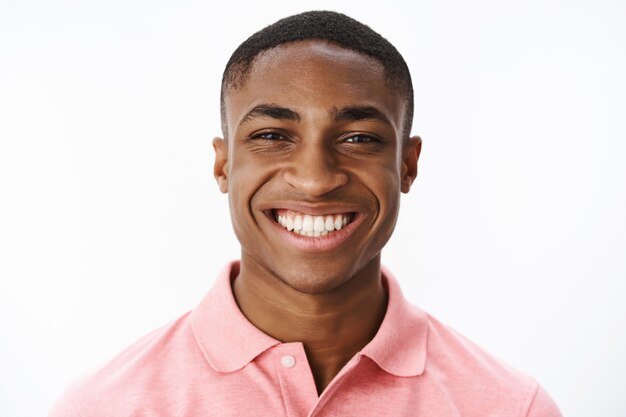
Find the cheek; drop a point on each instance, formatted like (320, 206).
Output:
(385, 184)
(240, 189)
(247, 175)
(384, 181)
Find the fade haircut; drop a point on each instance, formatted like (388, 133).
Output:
(324, 25)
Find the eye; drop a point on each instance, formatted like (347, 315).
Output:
(268, 136)
(360, 139)
(269, 141)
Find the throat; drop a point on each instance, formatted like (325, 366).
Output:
(332, 326)
(328, 352)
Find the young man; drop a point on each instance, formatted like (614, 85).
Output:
(316, 117)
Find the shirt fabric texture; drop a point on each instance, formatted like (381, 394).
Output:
(213, 362)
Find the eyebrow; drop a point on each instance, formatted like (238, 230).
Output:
(270, 111)
(356, 113)
(349, 113)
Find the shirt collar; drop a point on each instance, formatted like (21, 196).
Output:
(400, 344)
(225, 336)
(229, 341)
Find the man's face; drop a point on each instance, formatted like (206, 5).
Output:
(314, 163)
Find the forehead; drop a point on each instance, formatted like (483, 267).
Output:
(314, 74)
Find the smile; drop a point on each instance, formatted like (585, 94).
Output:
(310, 225)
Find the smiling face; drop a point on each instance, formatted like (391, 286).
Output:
(314, 164)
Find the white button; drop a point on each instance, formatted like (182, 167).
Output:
(288, 361)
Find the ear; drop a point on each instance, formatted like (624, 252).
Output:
(410, 154)
(220, 168)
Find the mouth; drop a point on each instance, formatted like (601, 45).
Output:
(315, 226)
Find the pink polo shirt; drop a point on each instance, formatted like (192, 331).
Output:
(214, 362)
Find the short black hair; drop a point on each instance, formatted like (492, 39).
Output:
(324, 25)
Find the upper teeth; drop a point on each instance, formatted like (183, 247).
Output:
(308, 225)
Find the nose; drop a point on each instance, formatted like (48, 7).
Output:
(315, 171)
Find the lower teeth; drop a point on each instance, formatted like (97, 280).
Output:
(312, 234)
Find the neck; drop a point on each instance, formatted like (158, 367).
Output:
(333, 326)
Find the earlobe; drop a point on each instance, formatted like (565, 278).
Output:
(220, 167)
(410, 156)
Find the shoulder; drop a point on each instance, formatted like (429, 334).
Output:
(140, 372)
(471, 374)
(448, 348)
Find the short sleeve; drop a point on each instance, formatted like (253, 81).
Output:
(64, 407)
(543, 405)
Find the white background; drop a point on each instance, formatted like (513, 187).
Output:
(514, 233)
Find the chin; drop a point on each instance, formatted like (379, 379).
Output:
(314, 280)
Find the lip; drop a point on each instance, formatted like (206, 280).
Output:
(312, 209)
(326, 243)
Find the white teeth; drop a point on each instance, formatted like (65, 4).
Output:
(338, 221)
(307, 223)
(312, 226)
(297, 223)
(329, 223)
(318, 224)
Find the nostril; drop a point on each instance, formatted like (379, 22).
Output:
(315, 183)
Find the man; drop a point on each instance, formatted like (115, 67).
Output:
(316, 118)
